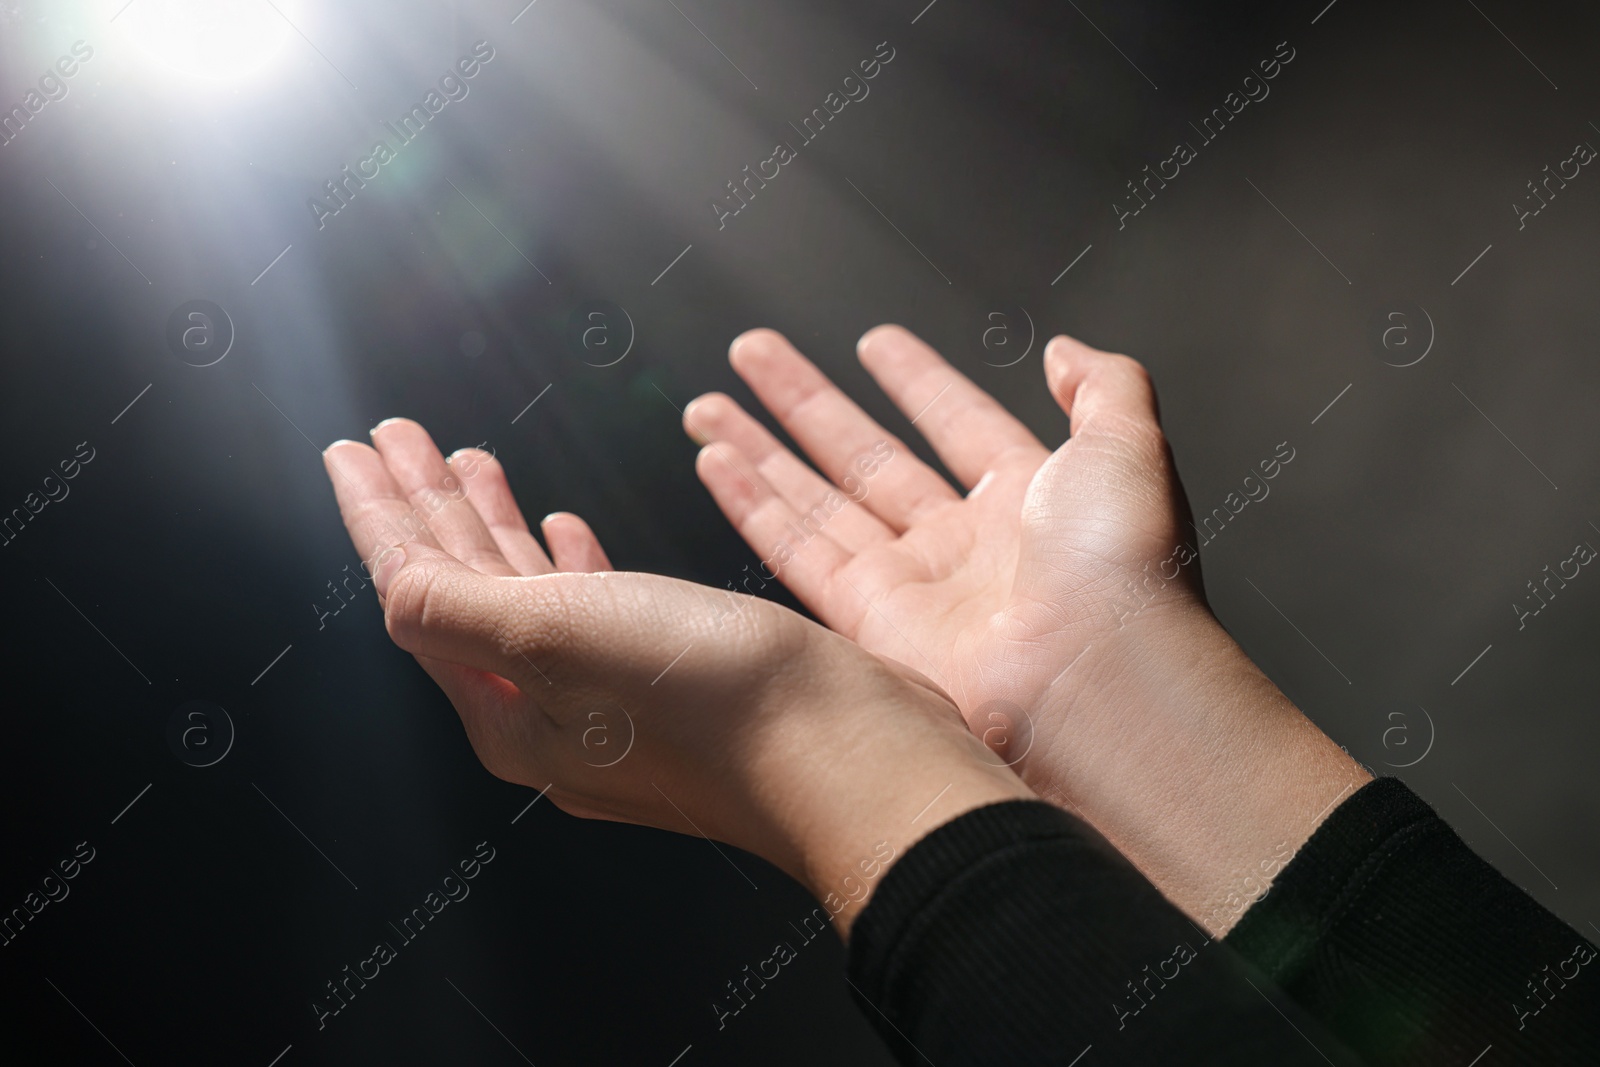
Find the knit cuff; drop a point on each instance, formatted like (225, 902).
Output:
(1280, 931)
(935, 863)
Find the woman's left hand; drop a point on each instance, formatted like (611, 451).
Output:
(646, 699)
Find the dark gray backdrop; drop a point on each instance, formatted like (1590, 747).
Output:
(187, 561)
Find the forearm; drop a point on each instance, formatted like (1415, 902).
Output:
(848, 817)
(1200, 770)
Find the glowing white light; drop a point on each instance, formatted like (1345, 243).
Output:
(218, 40)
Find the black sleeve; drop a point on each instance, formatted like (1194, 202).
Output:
(1398, 938)
(1016, 935)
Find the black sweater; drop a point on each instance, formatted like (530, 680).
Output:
(1016, 935)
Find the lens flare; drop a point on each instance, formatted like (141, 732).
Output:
(216, 40)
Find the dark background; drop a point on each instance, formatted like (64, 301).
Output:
(198, 543)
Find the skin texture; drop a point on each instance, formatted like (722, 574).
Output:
(1046, 599)
(643, 699)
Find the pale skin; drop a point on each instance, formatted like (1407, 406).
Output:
(1152, 724)
(768, 732)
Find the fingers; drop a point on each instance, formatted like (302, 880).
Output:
(793, 547)
(834, 431)
(374, 508)
(489, 493)
(406, 491)
(438, 608)
(969, 430)
(1112, 392)
(717, 418)
(573, 545)
(551, 635)
(431, 487)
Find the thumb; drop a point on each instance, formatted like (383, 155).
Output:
(439, 608)
(1112, 392)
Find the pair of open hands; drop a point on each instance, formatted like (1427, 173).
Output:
(1069, 656)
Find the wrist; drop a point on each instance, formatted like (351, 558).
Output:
(845, 864)
(897, 762)
(1176, 747)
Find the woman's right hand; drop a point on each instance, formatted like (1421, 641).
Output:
(649, 700)
(1058, 600)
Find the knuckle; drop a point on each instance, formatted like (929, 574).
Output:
(405, 609)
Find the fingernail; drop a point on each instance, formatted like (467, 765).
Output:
(861, 342)
(550, 516)
(388, 565)
(747, 342)
(336, 444)
(382, 424)
(688, 423)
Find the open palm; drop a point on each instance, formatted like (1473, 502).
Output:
(996, 594)
(624, 696)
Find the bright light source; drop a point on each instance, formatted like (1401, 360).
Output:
(218, 40)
